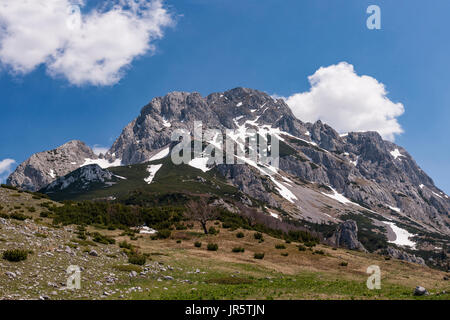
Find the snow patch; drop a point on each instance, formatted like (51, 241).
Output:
(161, 155)
(339, 197)
(152, 169)
(396, 153)
(402, 236)
(200, 163)
(395, 209)
(52, 173)
(166, 123)
(103, 163)
(239, 104)
(147, 230)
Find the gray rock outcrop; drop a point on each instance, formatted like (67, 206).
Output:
(402, 255)
(45, 167)
(346, 236)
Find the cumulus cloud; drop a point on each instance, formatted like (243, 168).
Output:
(93, 47)
(348, 102)
(6, 168)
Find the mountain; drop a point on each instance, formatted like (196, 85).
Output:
(45, 167)
(323, 178)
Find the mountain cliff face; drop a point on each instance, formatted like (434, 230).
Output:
(321, 175)
(361, 166)
(45, 167)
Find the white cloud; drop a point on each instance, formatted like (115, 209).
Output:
(348, 102)
(5, 168)
(97, 149)
(93, 47)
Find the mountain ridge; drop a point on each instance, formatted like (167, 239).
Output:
(361, 167)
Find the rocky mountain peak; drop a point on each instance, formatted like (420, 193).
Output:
(44, 167)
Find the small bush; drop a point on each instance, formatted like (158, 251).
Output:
(137, 259)
(163, 234)
(18, 216)
(198, 244)
(4, 215)
(319, 252)
(178, 241)
(213, 231)
(213, 247)
(100, 238)
(258, 236)
(343, 264)
(40, 235)
(310, 244)
(44, 214)
(125, 245)
(280, 246)
(238, 249)
(259, 256)
(239, 235)
(301, 247)
(284, 254)
(288, 241)
(15, 255)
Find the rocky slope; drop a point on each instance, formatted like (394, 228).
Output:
(45, 167)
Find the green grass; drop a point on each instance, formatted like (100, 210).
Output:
(215, 285)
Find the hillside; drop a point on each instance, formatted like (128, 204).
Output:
(176, 269)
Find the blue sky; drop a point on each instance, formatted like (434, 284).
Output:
(273, 46)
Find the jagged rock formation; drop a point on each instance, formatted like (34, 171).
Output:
(45, 167)
(80, 179)
(402, 255)
(346, 236)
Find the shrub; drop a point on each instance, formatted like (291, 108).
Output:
(125, 245)
(258, 236)
(100, 238)
(213, 231)
(319, 252)
(284, 254)
(343, 264)
(288, 241)
(239, 235)
(18, 216)
(178, 241)
(4, 215)
(137, 259)
(31, 209)
(259, 256)
(40, 235)
(238, 249)
(213, 246)
(163, 234)
(198, 244)
(15, 255)
(301, 247)
(310, 244)
(44, 214)
(280, 246)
